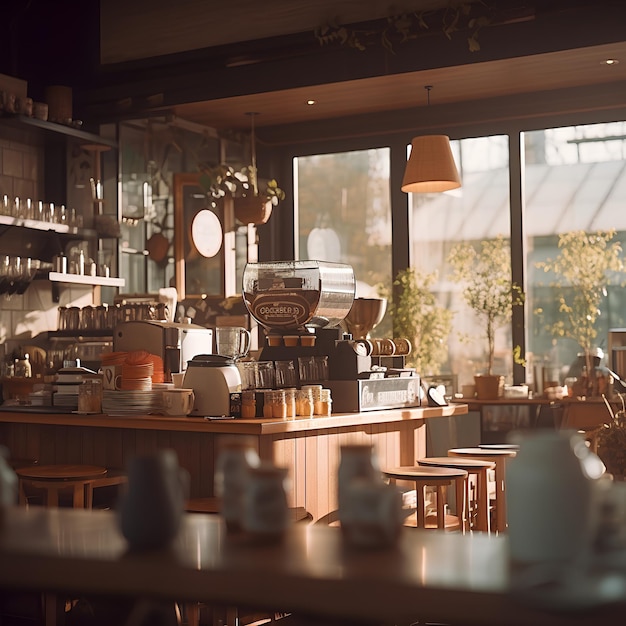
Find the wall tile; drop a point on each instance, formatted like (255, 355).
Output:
(12, 163)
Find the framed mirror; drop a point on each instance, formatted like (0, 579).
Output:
(199, 240)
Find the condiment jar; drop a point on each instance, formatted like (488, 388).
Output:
(279, 406)
(290, 403)
(90, 396)
(265, 513)
(304, 403)
(323, 406)
(248, 404)
(234, 461)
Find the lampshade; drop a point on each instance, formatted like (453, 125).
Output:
(431, 167)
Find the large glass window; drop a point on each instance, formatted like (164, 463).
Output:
(575, 180)
(343, 215)
(478, 211)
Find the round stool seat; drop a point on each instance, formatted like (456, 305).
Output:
(61, 472)
(476, 508)
(440, 478)
(51, 479)
(499, 456)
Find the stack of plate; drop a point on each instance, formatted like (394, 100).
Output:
(132, 402)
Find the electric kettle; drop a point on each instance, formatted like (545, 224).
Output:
(213, 378)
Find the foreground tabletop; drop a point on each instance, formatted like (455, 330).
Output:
(429, 575)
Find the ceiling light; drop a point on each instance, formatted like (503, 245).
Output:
(310, 102)
(431, 167)
(610, 62)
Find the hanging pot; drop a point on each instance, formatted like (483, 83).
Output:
(253, 209)
(157, 247)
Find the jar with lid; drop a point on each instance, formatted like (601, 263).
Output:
(279, 406)
(248, 404)
(90, 396)
(234, 462)
(268, 404)
(290, 402)
(323, 406)
(265, 512)
(304, 403)
(23, 368)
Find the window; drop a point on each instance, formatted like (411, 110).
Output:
(477, 211)
(575, 179)
(343, 215)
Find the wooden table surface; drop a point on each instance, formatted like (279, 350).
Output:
(429, 575)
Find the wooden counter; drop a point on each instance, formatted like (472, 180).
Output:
(310, 448)
(430, 576)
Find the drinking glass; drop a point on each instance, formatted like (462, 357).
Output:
(232, 341)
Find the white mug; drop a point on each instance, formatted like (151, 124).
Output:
(232, 341)
(178, 401)
(111, 377)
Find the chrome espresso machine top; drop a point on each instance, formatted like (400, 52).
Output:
(310, 317)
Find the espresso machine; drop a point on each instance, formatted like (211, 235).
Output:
(310, 317)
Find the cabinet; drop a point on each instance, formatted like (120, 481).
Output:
(65, 159)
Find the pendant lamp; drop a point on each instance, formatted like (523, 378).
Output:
(431, 167)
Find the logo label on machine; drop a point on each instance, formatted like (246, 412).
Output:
(289, 310)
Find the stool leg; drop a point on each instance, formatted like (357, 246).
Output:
(462, 484)
(441, 506)
(482, 496)
(78, 496)
(52, 497)
(420, 505)
(22, 499)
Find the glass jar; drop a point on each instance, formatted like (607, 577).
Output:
(304, 403)
(279, 406)
(323, 406)
(248, 405)
(90, 396)
(268, 404)
(290, 402)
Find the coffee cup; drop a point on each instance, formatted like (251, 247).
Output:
(177, 379)
(111, 377)
(178, 401)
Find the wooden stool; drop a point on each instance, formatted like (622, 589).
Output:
(440, 478)
(476, 508)
(52, 479)
(499, 456)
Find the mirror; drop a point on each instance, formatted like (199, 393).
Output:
(199, 240)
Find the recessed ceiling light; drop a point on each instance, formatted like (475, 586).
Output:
(610, 62)
(310, 102)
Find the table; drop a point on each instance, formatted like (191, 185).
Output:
(430, 575)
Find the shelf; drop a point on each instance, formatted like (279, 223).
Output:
(60, 229)
(79, 279)
(18, 121)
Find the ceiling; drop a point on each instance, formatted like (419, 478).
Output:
(461, 83)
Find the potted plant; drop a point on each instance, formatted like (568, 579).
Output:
(582, 270)
(490, 292)
(418, 317)
(251, 205)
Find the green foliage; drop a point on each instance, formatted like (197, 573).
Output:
(583, 269)
(400, 27)
(221, 180)
(417, 316)
(487, 285)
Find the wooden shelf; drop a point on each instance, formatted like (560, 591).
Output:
(18, 121)
(79, 279)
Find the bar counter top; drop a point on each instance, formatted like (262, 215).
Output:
(309, 448)
(258, 426)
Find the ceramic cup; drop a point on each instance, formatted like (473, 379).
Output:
(178, 401)
(111, 377)
(177, 379)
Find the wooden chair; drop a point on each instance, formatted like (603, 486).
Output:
(476, 495)
(440, 478)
